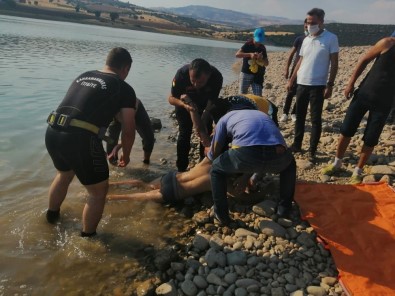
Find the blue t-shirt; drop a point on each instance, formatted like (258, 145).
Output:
(245, 128)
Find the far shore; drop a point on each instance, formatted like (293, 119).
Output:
(52, 15)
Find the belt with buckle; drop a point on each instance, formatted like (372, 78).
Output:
(64, 121)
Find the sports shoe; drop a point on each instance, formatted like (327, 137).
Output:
(284, 118)
(330, 170)
(293, 117)
(355, 179)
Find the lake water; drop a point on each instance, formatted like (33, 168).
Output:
(38, 61)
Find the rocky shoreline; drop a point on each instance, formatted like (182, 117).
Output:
(381, 165)
(262, 254)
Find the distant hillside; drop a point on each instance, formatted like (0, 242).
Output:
(230, 18)
(348, 34)
(112, 13)
(235, 26)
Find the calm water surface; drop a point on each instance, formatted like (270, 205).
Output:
(38, 61)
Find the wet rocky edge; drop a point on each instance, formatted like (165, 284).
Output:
(260, 254)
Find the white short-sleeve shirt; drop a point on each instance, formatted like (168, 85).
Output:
(316, 51)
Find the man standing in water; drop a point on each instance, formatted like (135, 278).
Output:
(195, 86)
(76, 130)
(143, 128)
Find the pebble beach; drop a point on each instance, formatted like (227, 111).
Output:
(264, 254)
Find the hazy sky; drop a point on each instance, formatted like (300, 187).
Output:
(346, 11)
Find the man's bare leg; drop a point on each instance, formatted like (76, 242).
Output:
(131, 182)
(366, 151)
(57, 194)
(153, 195)
(342, 146)
(94, 207)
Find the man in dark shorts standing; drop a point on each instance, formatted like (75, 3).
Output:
(144, 129)
(76, 130)
(375, 94)
(254, 65)
(195, 86)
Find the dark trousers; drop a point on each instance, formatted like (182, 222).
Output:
(314, 95)
(143, 128)
(288, 100)
(253, 159)
(185, 126)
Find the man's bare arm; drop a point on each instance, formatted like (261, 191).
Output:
(334, 58)
(380, 47)
(127, 119)
(181, 102)
(294, 74)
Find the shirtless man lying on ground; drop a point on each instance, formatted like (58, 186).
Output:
(173, 186)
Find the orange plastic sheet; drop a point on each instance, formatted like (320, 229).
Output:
(357, 222)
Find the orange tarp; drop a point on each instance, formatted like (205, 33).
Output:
(357, 222)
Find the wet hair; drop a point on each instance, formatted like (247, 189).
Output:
(223, 105)
(118, 58)
(169, 188)
(318, 12)
(200, 66)
(305, 20)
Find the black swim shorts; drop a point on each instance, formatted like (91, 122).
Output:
(376, 121)
(79, 151)
(169, 188)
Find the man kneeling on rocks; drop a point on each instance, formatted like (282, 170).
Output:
(257, 146)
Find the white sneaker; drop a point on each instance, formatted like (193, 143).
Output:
(284, 118)
(293, 117)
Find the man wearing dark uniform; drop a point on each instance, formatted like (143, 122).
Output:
(375, 94)
(144, 129)
(195, 86)
(76, 130)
